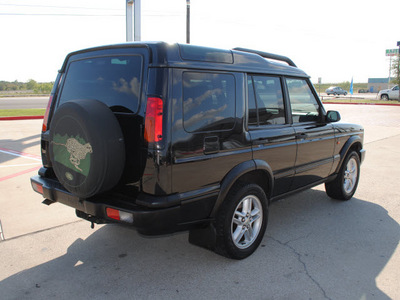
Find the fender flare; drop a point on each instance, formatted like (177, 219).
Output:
(238, 171)
(345, 149)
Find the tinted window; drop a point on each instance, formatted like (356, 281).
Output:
(304, 106)
(253, 115)
(208, 101)
(116, 81)
(269, 108)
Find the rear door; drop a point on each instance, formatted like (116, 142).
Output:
(207, 128)
(273, 138)
(315, 138)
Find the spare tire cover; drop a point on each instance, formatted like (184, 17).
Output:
(86, 147)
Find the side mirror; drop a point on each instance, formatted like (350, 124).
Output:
(332, 116)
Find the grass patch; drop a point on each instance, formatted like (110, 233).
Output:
(22, 112)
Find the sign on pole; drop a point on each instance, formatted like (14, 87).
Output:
(392, 52)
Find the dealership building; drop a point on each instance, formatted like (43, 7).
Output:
(377, 84)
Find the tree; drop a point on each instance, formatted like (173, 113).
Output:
(31, 84)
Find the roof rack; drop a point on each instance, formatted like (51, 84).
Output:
(268, 55)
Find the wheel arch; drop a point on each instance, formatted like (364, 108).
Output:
(252, 171)
(353, 144)
(384, 94)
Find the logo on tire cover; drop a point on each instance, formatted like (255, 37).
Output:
(72, 152)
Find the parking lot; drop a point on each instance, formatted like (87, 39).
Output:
(314, 248)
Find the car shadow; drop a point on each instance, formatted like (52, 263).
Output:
(18, 145)
(315, 247)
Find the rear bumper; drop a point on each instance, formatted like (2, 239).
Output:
(146, 220)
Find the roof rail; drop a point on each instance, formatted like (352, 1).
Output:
(268, 55)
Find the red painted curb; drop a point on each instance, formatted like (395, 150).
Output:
(382, 104)
(21, 118)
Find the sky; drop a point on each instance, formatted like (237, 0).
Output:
(332, 40)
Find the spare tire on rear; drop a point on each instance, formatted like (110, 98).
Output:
(86, 147)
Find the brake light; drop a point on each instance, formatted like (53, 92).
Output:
(119, 215)
(153, 131)
(46, 115)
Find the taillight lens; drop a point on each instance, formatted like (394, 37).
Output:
(37, 187)
(46, 115)
(153, 130)
(119, 215)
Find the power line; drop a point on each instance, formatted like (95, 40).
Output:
(67, 7)
(58, 15)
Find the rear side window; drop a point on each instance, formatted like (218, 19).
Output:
(114, 80)
(208, 101)
(266, 105)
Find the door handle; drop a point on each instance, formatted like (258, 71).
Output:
(211, 145)
(301, 136)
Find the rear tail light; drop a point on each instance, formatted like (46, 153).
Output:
(153, 131)
(46, 115)
(37, 187)
(119, 215)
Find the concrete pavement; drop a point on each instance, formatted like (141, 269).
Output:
(315, 247)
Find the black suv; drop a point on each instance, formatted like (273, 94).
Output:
(180, 137)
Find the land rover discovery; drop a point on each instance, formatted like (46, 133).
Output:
(180, 137)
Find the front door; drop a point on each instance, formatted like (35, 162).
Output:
(315, 138)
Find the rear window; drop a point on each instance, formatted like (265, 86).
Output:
(114, 80)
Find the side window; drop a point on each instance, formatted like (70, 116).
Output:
(208, 101)
(304, 106)
(253, 116)
(266, 105)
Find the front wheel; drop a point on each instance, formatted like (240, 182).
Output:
(242, 221)
(384, 97)
(345, 184)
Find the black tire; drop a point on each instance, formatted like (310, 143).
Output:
(87, 148)
(253, 225)
(345, 184)
(384, 97)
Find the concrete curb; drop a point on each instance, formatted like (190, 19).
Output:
(21, 118)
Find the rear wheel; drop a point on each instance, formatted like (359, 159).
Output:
(242, 221)
(345, 184)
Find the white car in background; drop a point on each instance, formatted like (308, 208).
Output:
(391, 94)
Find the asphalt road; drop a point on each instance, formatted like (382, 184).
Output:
(23, 102)
(314, 248)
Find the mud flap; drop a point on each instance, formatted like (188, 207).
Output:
(204, 237)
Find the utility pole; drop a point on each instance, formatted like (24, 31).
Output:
(398, 65)
(133, 20)
(187, 21)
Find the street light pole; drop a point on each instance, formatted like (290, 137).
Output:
(187, 21)
(133, 20)
(129, 20)
(138, 19)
